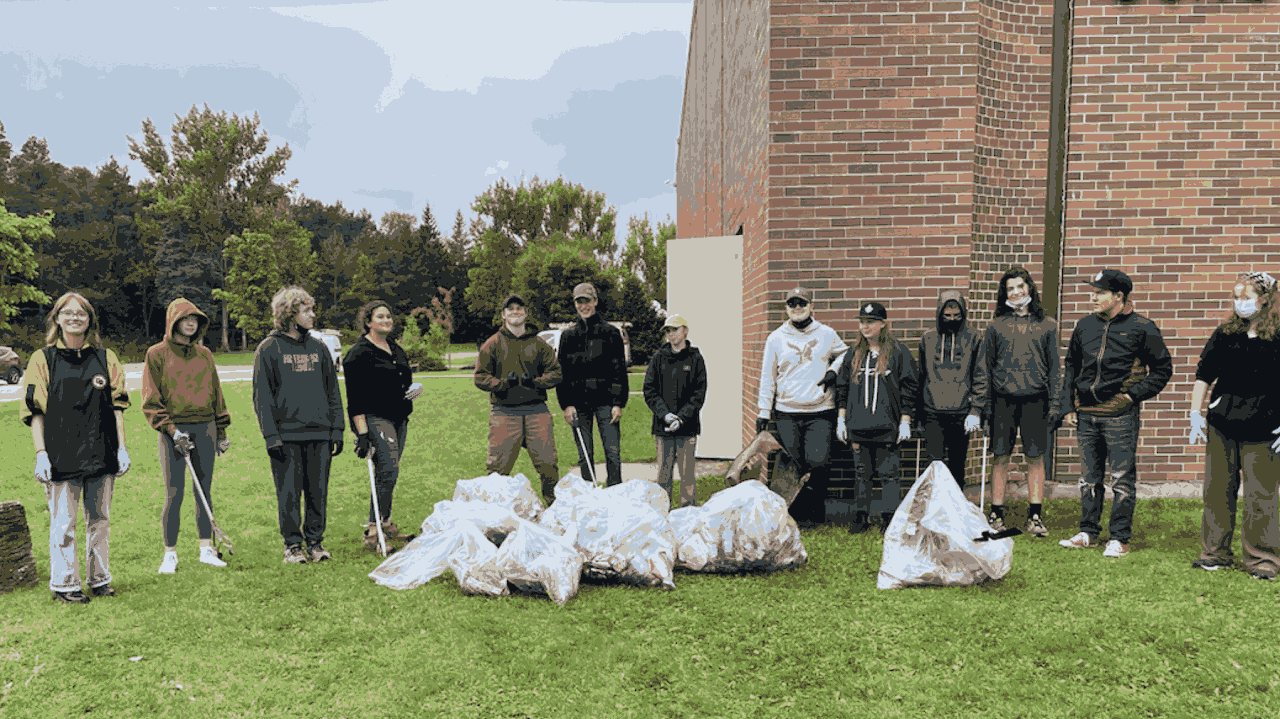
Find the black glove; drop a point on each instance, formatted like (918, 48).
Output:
(277, 451)
(526, 380)
(1055, 421)
(362, 445)
(827, 380)
(335, 448)
(761, 424)
(512, 380)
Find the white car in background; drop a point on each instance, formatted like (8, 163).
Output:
(333, 340)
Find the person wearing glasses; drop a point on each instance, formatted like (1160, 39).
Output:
(74, 401)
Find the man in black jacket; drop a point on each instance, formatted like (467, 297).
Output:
(595, 388)
(1116, 361)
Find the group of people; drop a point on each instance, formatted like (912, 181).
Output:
(1011, 382)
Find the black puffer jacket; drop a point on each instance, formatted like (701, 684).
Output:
(1103, 355)
(676, 382)
(593, 359)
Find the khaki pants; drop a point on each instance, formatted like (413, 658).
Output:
(1227, 463)
(508, 433)
(678, 452)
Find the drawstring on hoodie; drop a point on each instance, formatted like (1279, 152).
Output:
(869, 400)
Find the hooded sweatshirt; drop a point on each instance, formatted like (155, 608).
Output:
(1020, 358)
(295, 390)
(949, 364)
(794, 361)
(527, 354)
(180, 381)
(593, 358)
(875, 403)
(676, 383)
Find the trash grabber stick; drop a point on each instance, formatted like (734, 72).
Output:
(582, 448)
(982, 497)
(377, 513)
(217, 531)
(917, 458)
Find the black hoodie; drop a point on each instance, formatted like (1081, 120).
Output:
(295, 390)
(949, 377)
(593, 358)
(676, 382)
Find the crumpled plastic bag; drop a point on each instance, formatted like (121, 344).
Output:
(514, 492)
(929, 541)
(494, 520)
(569, 491)
(625, 540)
(429, 555)
(741, 528)
(751, 463)
(531, 560)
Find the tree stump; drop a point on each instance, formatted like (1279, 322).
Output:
(17, 565)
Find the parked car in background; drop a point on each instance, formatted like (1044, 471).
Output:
(10, 366)
(551, 337)
(333, 340)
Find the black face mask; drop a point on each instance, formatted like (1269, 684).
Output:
(950, 326)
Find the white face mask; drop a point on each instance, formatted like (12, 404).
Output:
(1019, 304)
(1246, 308)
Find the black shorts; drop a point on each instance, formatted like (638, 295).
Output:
(1030, 414)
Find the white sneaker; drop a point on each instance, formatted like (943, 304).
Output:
(169, 564)
(1080, 541)
(1115, 549)
(209, 555)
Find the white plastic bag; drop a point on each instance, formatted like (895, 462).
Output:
(570, 491)
(639, 491)
(741, 528)
(494, 520)
(426, 557)
(534, 560)
(930, 539)
(514, 492)
(625, 540)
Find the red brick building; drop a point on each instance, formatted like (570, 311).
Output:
(887, 150)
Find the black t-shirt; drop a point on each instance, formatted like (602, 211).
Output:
(1245, 405)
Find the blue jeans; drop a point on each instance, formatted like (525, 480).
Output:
(610, 437)
(64, 499)
(1108, 453)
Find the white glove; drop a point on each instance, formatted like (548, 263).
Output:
(671, 417)
(1198, 424)
(414, 392)
(123, 458)
(1275, 446)
(44, 470)
(842, 432)
(675, 424)
(223, 446)
(904, 431)
(182, 442)
(972, 423)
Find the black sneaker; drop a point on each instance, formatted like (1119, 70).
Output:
(317, 553)
(1211, 564)
(103, 591)
(76, 597)
(293, 554)
(1264, 573)
(860, 523)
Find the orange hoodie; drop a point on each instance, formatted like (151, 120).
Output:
(180, 381)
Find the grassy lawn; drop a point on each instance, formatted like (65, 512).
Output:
(1065, 634)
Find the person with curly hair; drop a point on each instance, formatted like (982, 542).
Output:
(1242, 426)
(299, 409)
(380, 395)
(74, 402)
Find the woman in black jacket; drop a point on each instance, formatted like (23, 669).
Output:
(675, 388)
(380, 394)
(1242, 423)
(875, 393)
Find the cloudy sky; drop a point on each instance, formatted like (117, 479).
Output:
(386, 105)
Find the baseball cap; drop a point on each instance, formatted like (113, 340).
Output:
(1112, 281)
(873, 311)
(513, 297)
(586, 289)
(799, 293)
(675, 321)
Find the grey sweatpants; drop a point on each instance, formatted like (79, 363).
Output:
(174, 471)
(1227, 462)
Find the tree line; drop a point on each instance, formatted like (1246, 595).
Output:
(215, 222)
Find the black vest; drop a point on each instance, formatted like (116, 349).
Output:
(79, 420)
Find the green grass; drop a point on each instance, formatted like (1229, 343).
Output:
(1065, 634)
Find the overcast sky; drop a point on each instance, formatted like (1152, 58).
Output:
(386, 105)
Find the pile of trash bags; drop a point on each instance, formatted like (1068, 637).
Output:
(936, 538)
(496, 537)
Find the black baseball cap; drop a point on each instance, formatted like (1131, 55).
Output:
(513, 299)
(873, 311)
(1112, 281)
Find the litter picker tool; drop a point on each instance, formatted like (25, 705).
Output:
(218, 534)
(377, 512)
(982, 495)
(582, 448)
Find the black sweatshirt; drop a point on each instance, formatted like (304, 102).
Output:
(295, 390)
(376, 381)
(1245, 405)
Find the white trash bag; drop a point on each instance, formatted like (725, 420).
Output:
(930, 540)
(429, 555)
(570, 492)
(494, 520)
(639, 491)
(532, 560)
(741, 528)
(514, 492)
(625, 540)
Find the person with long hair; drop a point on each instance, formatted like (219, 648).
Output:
(74, 401)
(1117, 360)
(1242, 426)
(797, 376)
(1020, 386)
(299, 409)
(380, 395)
(876, 392)
(182, 400)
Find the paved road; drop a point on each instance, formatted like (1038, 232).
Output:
(133, 379)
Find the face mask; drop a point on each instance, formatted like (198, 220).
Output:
(1018, 304)
(951, 326)
(1246, 308)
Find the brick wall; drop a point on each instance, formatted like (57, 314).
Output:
(1173, 176)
